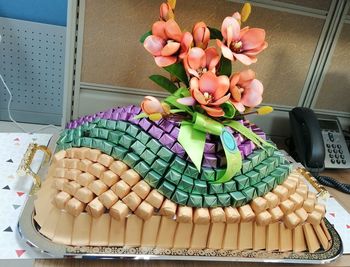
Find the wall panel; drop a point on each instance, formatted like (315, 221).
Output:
(318, 4)
(112, 54)
(334, 94)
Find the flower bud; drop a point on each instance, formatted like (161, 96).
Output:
(201, 35)
(165, 12)
(151, 105)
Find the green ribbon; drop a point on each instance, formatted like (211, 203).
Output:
(257, 140)
(192, 138)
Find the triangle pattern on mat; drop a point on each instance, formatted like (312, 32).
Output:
(20, 252)
(8, 229)
(20, 194)
(9, 160)
(15, 206)
(6, 187)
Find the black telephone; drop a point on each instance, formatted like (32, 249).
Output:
(307, 139)
(318, 142)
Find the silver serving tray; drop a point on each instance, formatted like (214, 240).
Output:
(28, 230)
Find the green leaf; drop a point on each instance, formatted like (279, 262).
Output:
(144, 36)
(225, 66)
(182, 92)
(215, 33)
(193, 141)
(229, 110)
(164, 83)
(172, 101)
(140, 116)
(178, 71)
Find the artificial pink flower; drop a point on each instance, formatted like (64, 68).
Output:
(201, 35)
(241, 44)
(185, 44)
(166, 42)
(210, 91)
(151, 105)
(199, 61)
(246, 91)
(166, 12)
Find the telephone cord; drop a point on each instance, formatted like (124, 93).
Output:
(331, 182)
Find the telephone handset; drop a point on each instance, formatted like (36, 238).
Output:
(319, 143)
(307, 138)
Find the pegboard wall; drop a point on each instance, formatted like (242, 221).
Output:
(32, 65)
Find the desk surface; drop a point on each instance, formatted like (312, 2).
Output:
(341, 175)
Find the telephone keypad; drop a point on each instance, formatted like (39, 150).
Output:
(335, 153)
(336, 150)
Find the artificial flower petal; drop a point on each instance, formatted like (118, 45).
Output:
(246, 75)
(154, 45)
(239, 106)
(187, 101)
(151, 105)
(196, 94)
(194, 84)
(195, 57)
(158, 29)
(166, 12)
(253, 38)
(236, 93)
(208, 83)
(251, 98)
(214, 111)
(244, 59)
(221, 100)
(212, 57)
(164, 61)
(201, 35)
(223, 86)
(256, 86)
(170, 48)
(173, 31)
(186, 43)
(226, 52)
(234, 28)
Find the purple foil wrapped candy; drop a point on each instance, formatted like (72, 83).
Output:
(132, 120)
(209, 160)
(136, 110)
(253, 146)
(178, 149)
(115, 115)
(209, 147)
(166, 125)
(155, 132)
(145, 124)
(128, 108)
(123, 116)
(246, 148)
(107, 114)
(167, 140)
(175, 132)
(239, 139)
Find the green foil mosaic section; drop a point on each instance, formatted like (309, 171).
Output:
(174, 177)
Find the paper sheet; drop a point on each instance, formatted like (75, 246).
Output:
(14, 191)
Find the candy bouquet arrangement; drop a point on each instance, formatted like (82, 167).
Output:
(188, 175)
(207, 96)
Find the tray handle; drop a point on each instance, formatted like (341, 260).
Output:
(25, 169)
